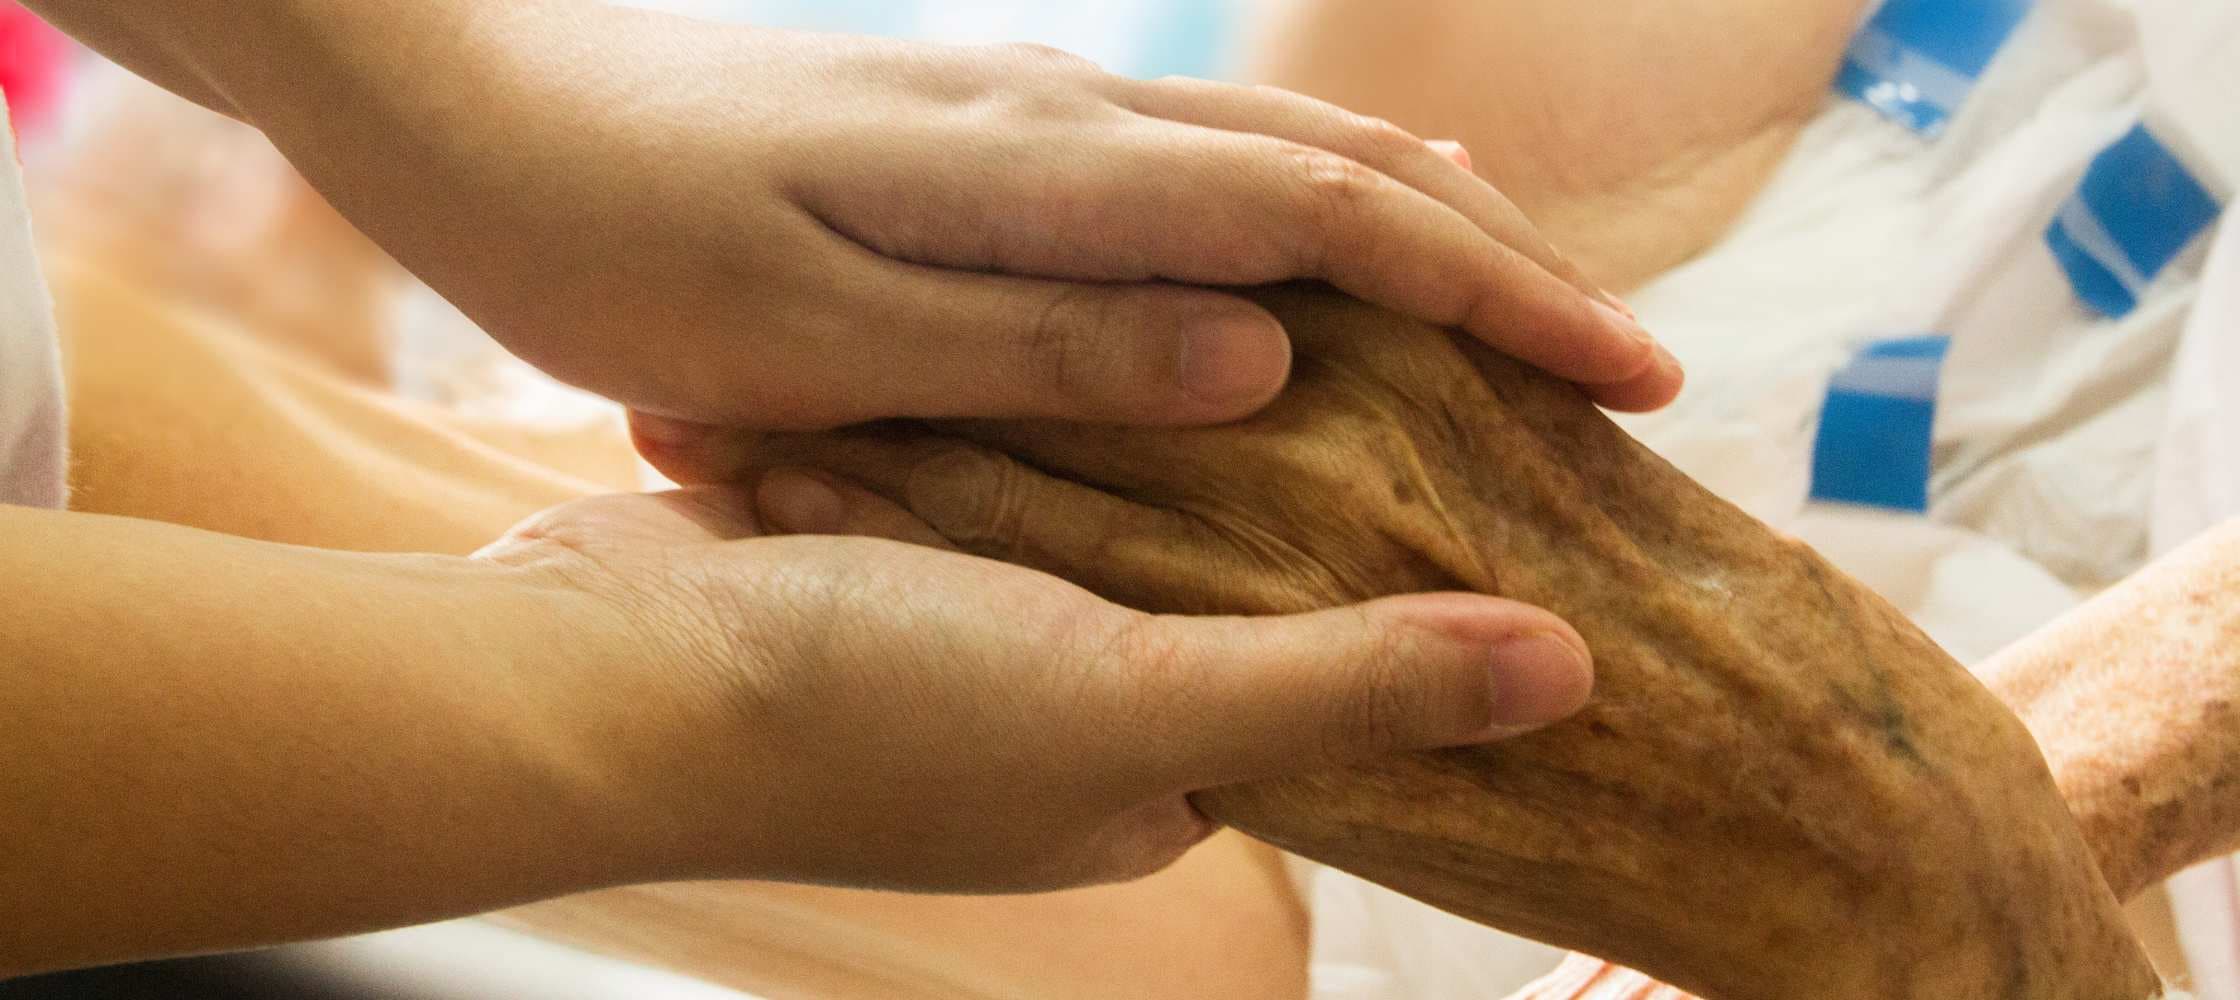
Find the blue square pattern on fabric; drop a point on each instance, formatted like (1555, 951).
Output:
(2136, 210)
(1872, 447)
(1916, 60)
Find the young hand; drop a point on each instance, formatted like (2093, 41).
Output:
(863, 712)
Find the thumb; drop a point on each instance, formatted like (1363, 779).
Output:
(691, 453)
(1271, 696)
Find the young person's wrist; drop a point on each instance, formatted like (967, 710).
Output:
(644, 760)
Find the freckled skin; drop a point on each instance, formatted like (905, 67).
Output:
(1781, 788)
(2133, 697)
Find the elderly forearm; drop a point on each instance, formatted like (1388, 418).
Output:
(209, 743)
(2135, 699)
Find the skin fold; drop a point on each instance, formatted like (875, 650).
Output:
(1781, 788)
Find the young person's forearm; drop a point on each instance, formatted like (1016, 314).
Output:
(208, 743)
(241, 57)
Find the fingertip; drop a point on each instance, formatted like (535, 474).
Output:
(1541, 670)
(1652, 389)
(801, 503)
(689, 452)
(1451, 150)
(1232, 361)
(1539, 678)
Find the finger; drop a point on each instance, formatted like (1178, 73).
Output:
(807, 502)
(1242, 699)
(691, 453)
(1645, 392)
(636, 520)
(1452, 150)
(990, 505)
(1155, 354)
(1259, 210)
(1441, 171)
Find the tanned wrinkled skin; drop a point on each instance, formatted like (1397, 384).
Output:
(1781, 788)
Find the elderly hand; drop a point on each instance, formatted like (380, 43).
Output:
(862, 712)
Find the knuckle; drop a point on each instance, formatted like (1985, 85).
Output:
(1067, 349)
(1151, 654)
(1381, 141)
(1334, 193)
(1162, 833)
(1139, 670)
(1037, 56)
(1026, 82)
(976, 499)
(1380, 708)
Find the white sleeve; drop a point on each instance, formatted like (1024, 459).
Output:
(31, 410)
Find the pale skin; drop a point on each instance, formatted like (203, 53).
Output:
(357, 741)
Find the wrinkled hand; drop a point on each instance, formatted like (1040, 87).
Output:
(746, 227)
(862, 712)
(1755, 710)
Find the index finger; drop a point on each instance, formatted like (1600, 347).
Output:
(1261, 209)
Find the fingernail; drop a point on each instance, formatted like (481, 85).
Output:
(1538, 679)
(800, 503)
(1234, 362)
(1451, 150)
(1620, 305)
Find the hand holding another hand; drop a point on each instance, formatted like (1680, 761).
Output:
(861, 712)
(738, 227)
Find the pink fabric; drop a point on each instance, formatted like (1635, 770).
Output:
(34, 59)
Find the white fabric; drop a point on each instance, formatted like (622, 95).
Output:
(2196, 488)
(31, 440)
(2048, 413)
(470, 959)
